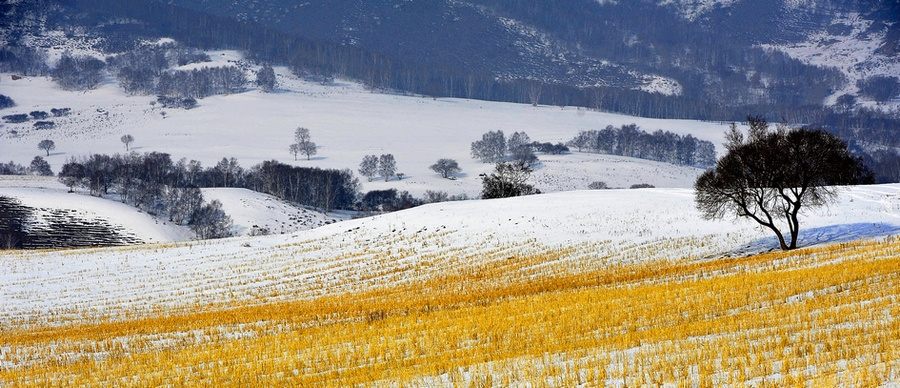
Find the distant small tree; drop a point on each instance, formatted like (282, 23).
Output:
(266, 80)
(39, 166)
(369, 167)
(387, 166)
(47, 145)
(39, 114)
(127, 140)
(508, 180)
(773, 175)
(598, 185)
(61, 112)
(446, 167)
(294, 149)
(520, 148)
(491, 148)
(304, 143)
(642, 186)
(71, 174)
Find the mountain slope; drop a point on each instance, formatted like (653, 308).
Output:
(700, 47)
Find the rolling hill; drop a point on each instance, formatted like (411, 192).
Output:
(591, 288)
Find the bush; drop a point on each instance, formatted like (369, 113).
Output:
(61, 112)
(598, 185)
(16, 118)
(39, 114)
(177, 102)
(642, 186)
(44, 125)
(6, 102)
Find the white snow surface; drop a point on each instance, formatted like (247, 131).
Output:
(346, 121)
(253, 212)
(616, 226)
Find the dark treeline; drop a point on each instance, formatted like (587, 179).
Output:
(155, 183)
(323, 189)
(662, 146)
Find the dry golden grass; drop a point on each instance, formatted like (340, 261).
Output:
(503, 315)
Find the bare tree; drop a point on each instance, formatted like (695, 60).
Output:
(266, 80)
(294, 149)
(520, 148)
(387, 166)
(445, 167)
(47, 145)
(772, 176)
(508, 180)
(491, 148)
(304, 143)
(369, 167)
(127, 139)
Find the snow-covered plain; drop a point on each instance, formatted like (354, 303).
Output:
(346, 121)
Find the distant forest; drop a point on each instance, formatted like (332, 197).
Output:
(865, 130)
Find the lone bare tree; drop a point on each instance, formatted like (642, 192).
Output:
(304, 143)
(127, 140)
(773, 175)
(445, 167)
(47, 145)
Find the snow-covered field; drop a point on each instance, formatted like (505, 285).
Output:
(361, 300)
(633, 226)
(346, 121)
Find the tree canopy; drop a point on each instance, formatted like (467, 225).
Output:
(773, 175)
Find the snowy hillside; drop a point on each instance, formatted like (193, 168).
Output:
(590, 286)
(47, 196)
(852, 46)
(346, 121)
(257, 213)
(251, 212)
(619, 226)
